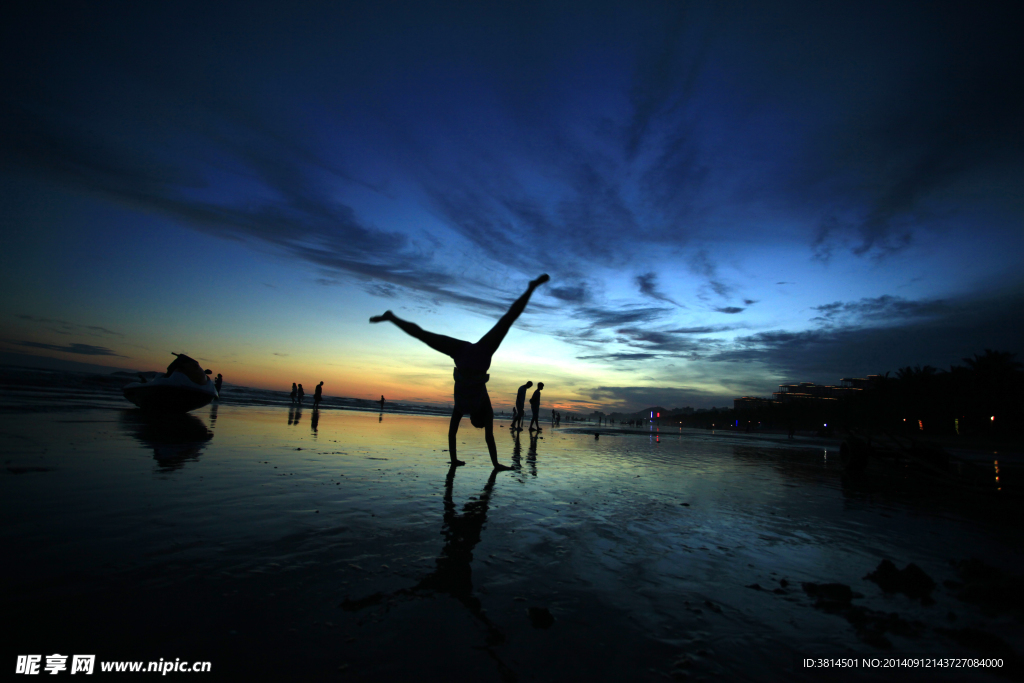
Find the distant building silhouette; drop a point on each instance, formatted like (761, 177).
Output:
(808, 392)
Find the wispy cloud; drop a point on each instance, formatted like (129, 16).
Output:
(882, 334)
(574, 294)
(614, 357)
(702, 265)
(706, 329)
(648, 285)
(878, 309)
(615, 317)
(65, 327)
(947, 123)
(80, 349)
(295, 213)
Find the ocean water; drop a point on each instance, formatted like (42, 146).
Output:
(37, 388)
(339, 543)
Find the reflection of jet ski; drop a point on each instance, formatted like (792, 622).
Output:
(174, 439)
(184, 387)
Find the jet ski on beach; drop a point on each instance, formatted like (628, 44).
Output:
(184, 387)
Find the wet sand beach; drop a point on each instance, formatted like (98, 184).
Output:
(268, 542)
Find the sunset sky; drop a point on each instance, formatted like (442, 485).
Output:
(727, 195)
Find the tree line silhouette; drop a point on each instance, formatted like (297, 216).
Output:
(982, 397)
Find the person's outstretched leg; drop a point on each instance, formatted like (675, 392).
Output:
(453, 429)
(449, 346)
(492, 340)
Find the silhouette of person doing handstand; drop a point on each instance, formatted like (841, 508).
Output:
(471, 364)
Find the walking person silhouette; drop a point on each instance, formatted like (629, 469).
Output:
(535, 407)
(318, 395)
(471, 364)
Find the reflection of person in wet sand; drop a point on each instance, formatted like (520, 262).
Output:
(531, 454)
(517, 450)
(471, 364)
(535, 407)
(453, 573)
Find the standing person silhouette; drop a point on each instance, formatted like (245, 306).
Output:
(535, 407)
(382, 403)
(471, 364)
(217, 382)
(517, 422)
(294, 391)
(299, 395)
(318, 395)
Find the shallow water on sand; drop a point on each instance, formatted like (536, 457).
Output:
(262, 540)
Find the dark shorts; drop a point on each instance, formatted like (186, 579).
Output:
(474, 400)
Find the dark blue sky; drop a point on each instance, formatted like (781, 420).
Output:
(727, 195)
